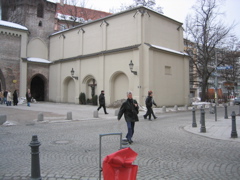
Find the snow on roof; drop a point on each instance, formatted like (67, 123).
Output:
(71, 18)
(13, 25)
(52, 1)
(167, 49)
(40, 60)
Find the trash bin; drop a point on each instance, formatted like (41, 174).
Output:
(118, 165)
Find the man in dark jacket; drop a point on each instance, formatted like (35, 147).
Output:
(5, 97)
(102, 102)
(149, 102)
(15, 98)
(130, 110)
(28, 97)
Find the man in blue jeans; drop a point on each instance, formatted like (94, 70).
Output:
(130, 110)
(28, 97)
(5, 96)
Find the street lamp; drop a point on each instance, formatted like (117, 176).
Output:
(131, 68)
(72, 73)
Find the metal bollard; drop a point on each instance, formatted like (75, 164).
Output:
(164, 109)
(215, 110)
(35, 163)
(226, 113)
(40, 117)
(194, 123)
(211, 109)
(95, 114)
(239, 111)
(234, 129)
(69, 115)
(203, 128)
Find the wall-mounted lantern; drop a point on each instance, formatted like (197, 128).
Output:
(72, 73)
(131, 68)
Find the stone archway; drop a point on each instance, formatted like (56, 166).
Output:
(119, 86)
(90, 85)
(69, 90)
(38, 88)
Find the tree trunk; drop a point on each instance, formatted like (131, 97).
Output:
(204, 92)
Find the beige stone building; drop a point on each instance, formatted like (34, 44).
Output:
(100, 52)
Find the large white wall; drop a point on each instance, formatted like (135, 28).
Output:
(88, 49)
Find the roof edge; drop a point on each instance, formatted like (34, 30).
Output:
(98, 53)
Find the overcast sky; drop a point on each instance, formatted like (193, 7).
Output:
(175, 9)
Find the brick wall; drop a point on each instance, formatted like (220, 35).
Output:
(9, 61)
(41, 70)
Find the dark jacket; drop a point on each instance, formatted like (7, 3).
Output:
(5, 94)
(15, 97)
(101, 99)
(129, 110)
(149, 102)
(28, 97)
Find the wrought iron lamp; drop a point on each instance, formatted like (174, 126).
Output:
(72, 73)
(131, 68)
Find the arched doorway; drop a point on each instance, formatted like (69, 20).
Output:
(69, 90)
(120, 85)
(38, 88)
(91, 86)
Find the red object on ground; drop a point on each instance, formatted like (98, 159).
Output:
(118, 165)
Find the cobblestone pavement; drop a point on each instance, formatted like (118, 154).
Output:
(70, 148)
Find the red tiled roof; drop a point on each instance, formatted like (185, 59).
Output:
(80, 12)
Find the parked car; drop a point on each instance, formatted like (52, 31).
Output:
(237, 101)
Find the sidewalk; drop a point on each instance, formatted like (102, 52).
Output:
(57, 113)
(220, 129)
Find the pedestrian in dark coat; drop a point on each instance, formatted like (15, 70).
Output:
(15, 98)
(5, 93)
(28, 97)
(149, 102)
(130, 110)
(102, 102)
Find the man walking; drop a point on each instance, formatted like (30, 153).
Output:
(102, 102)
(149, 102)
(130, 110)
(5, 93)
(28, 97)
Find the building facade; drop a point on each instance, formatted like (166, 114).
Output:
(99, 52)
(40, 18)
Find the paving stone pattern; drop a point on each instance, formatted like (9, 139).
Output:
(70, 149)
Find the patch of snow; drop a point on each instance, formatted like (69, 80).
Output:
(200, 103)
(31, 59)
(13, 25)
(9, 123)
(169, 50)
(70, 18)
(22, 100)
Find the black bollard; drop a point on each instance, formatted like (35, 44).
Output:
(35, 165)
(226, 113)
(194, 123)
(203, 128)
(234, 129)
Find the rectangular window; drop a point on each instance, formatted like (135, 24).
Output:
(168, 70)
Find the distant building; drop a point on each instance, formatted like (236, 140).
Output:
(68, 16)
